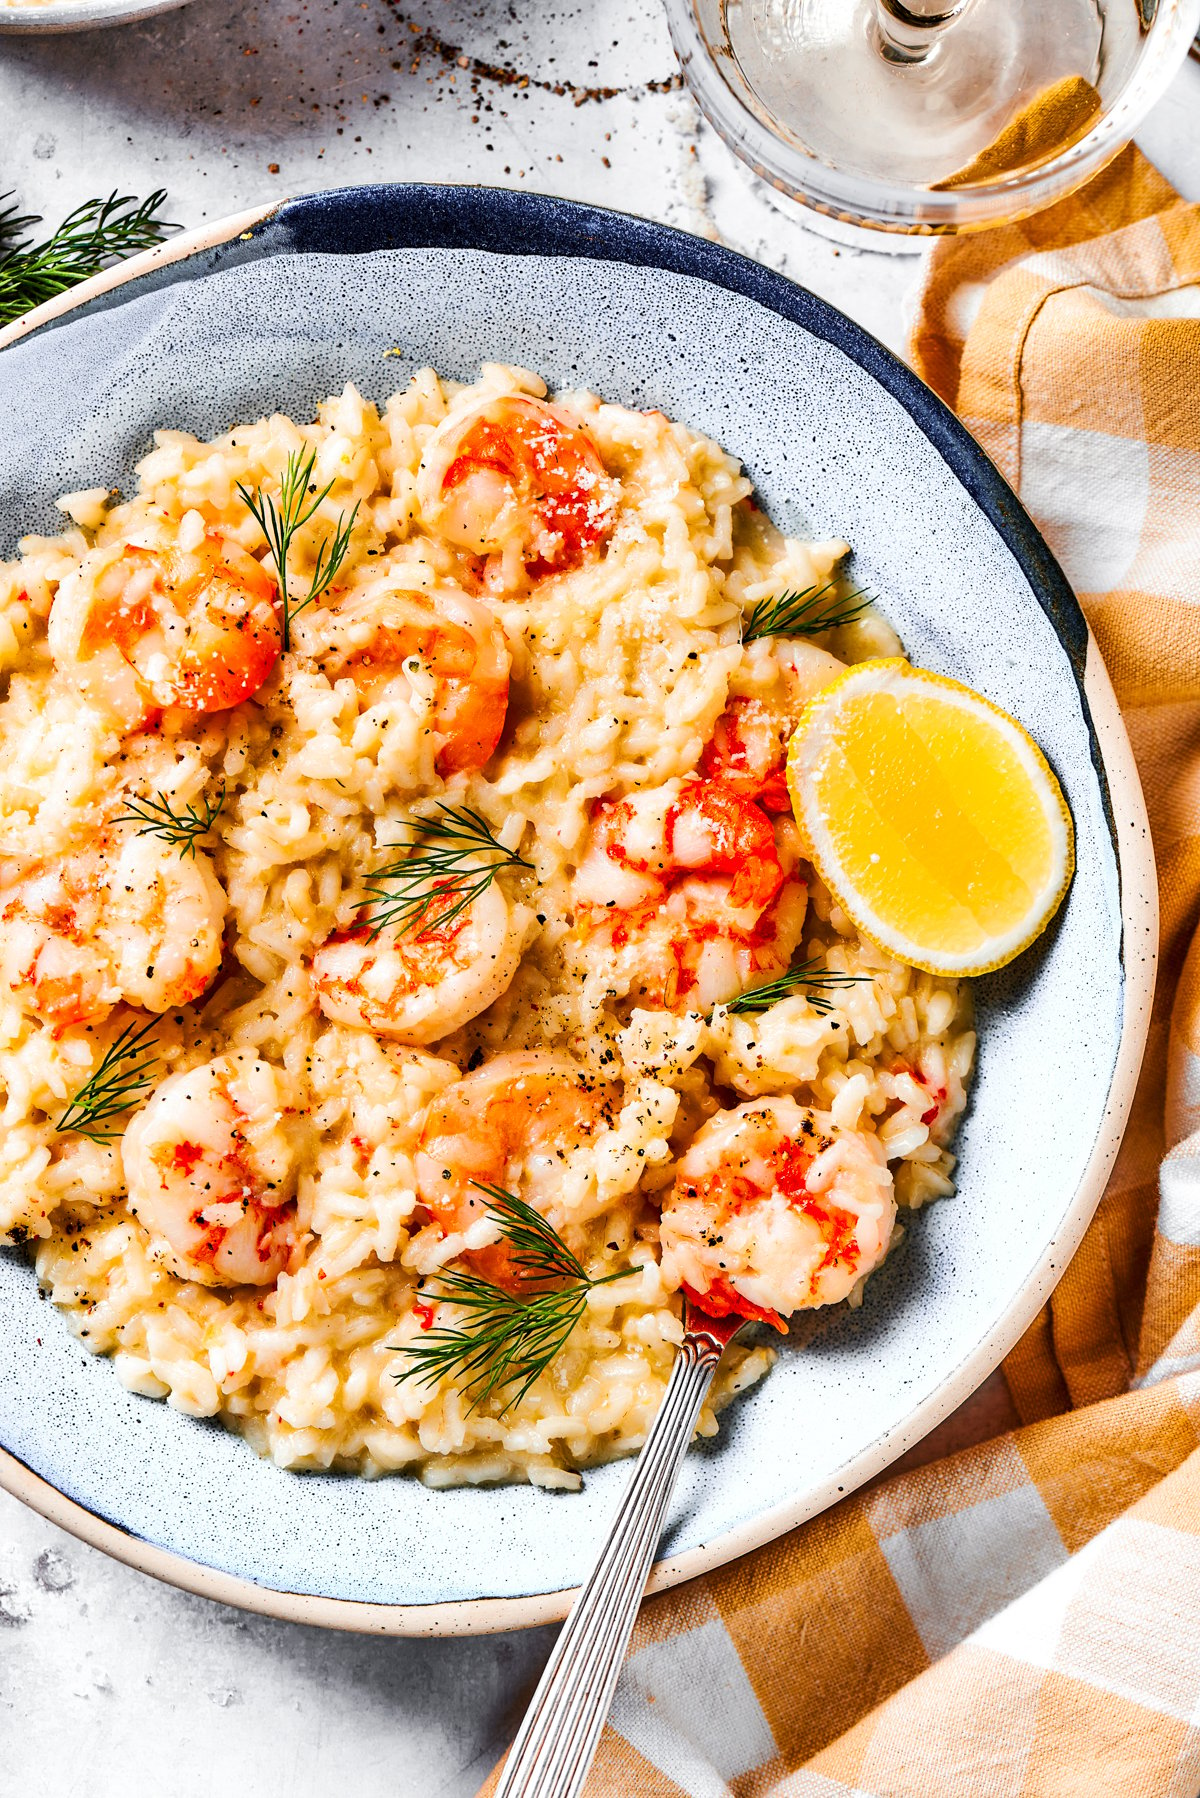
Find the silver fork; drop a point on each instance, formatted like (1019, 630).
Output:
(557, 1740)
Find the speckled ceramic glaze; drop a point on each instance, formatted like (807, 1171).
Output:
(366, 285)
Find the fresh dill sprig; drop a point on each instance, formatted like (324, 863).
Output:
(120, 1080)
(14, 223)
(95, 234)
(440, 875)
(280, 522)
(331, 553)
(505, 1338)
(808, 976)
(804, 614)
(156, 818)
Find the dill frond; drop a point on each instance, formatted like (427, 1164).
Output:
(804, 614)
(279, 523)
(123, 1075)
(506, 1339)
(96, 234)
(155, 817)
(331, 553)
(807, 977)
(440, 874)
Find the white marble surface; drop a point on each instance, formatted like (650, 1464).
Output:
(111, 1685)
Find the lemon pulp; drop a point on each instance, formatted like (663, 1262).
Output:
(931, 815)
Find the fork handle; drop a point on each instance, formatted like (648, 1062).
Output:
(554, 1747)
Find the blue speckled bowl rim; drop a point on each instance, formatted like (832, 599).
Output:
(359, 220)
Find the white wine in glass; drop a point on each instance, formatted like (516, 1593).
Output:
(914, 92)
(928, 115)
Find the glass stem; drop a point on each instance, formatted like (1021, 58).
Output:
(907, 32)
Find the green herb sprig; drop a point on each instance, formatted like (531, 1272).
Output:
(124, 1074)
(804, 614)
(183, 829)
(440, 874)
(807, 977)
(96, 234)
(280, 522)
(506, 1339)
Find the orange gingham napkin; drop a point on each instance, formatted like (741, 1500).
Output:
(1023, 1616)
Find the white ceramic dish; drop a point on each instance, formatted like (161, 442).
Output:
(277, 309)
(32, 18)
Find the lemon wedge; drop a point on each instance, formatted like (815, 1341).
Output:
(932, 817)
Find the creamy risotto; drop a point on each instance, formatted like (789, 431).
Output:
(344, 897)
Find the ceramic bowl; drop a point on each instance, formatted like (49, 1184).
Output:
(31, 18)
(277, 309)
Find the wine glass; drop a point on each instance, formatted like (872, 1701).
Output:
(917, 117)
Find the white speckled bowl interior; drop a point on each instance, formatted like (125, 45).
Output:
(840, 441)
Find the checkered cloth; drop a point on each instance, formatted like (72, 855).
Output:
(1021, 1616)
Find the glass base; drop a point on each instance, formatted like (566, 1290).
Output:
(851, 236)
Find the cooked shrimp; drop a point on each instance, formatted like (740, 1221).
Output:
(139, 630)
(50, 950)
(164, 922)
(210, 1167)
(511, 1124)
(685, 885)
(748, 747)
(775, 1210)
(511, 478)
(444, 653)
(420, 985)
(119, 921)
